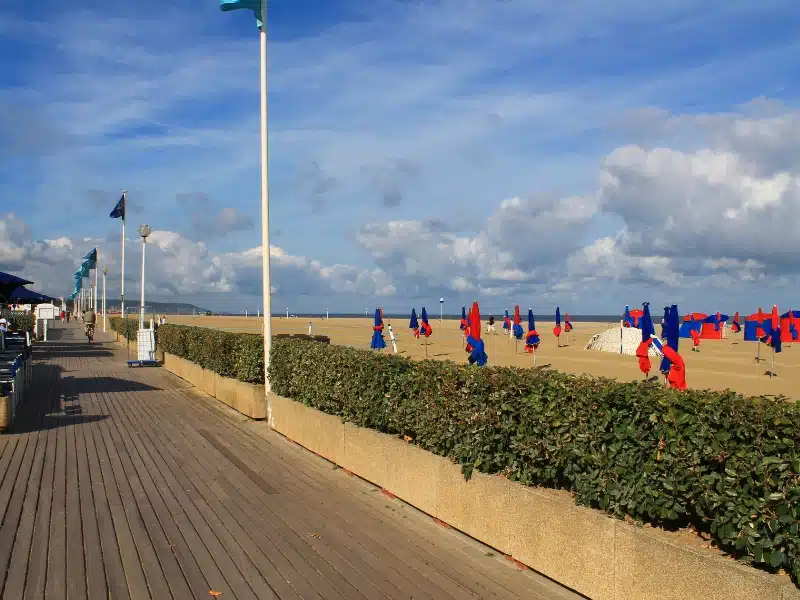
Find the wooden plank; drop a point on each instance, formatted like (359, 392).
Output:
(37, 568)
(125, 578)
(198, 568)
(234, 582)
(373, 562)
(144, 495)
(235, 539)
(345, 559)
(128, 523)
(76, 566)
(57, 558)
(18, 568)
(5, 458)
(96, 588)
(8, 531)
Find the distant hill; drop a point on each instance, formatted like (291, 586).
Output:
(166, 308)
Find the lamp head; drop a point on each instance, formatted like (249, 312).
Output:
(145, 230)
(105, 270)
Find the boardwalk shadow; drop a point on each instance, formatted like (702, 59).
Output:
(74, 386)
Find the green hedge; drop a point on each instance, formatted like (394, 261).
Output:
(237, 355)
(716, 461)
(23, 321)
(125, 327)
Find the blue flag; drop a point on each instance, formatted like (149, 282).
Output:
(90, 260)
(254, 5)
(119, 209)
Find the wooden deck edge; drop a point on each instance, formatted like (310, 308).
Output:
(583, 549)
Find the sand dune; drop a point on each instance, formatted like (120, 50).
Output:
(720, 364)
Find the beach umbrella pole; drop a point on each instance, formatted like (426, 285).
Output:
(426, 346)
(772, 371)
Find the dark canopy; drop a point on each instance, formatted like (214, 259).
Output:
(8, 283)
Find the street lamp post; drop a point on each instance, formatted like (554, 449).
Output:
(441, 310)
(144, 231)
(105, 272)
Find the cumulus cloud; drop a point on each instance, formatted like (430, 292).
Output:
(729, 203)
(713, 218)
(181, 268)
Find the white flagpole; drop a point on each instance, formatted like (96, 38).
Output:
(104, 298)
(265, 247)
(94, 300)
(122, 266)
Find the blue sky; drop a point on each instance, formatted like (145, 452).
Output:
(575, 153)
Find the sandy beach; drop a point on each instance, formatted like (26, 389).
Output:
(721, 364)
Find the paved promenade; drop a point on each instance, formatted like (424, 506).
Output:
(127, 483)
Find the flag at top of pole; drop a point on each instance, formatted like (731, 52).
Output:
(257, 6)
(119, 213)
(90, 260)
(119, 209)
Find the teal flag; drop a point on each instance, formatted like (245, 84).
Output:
(254, 5)
(91, 259)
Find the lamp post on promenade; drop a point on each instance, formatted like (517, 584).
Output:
(144, 231)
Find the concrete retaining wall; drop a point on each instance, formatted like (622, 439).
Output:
(248, 398)
(584, 549)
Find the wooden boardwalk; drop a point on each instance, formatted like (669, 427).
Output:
(126, 483)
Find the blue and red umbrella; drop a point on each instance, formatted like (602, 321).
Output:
(567, 324)
(507, 322)
(414, 324)
(627, 321)
(643, 351)
(735, 327)
(670, 334)
(377, 342)
(557, 328)
(517, 328)
(425, 327)
(475, 347)
(532, 337)
(464, 322)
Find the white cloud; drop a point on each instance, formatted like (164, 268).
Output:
(179, 268)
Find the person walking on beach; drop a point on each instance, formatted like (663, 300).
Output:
(490, 325)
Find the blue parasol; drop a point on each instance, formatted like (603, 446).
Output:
(670, 333)
(413, 324)
(532, 337)
(647, 323)
(626, 317)
(377, 342)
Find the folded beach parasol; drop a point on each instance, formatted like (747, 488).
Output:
(377, 342)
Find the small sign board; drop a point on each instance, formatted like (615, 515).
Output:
(46, 312)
